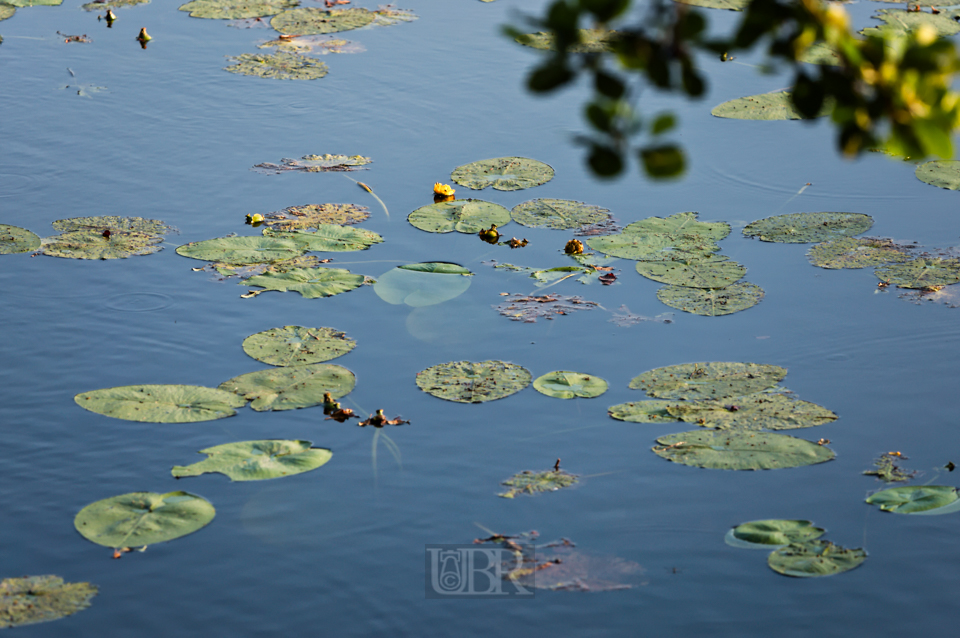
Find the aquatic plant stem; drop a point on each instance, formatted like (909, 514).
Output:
(370, 190)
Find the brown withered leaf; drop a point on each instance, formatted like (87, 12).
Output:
(606, 227)
(528, 308)
(342, 415)
(607, 278)
(379, 420)
(516, 243)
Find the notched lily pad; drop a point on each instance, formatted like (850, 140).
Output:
(711, 380)
(14, 239)
(111, 4)
(753, 412)
(316, 164)
(765, 106)
(940, 173)
(763, 534)
(257, 460)
(919, 499)
(808, 228)
(712, 302)
(503, 173)
(561, 214)
(313, 20)
(312, 216)
(329, 238)
(921, 273)
(318, 44)
(815, 558)
(35, 599)
(235, 9)
(463, 215)
(423, 284)
(296, 345)
(291, 387)
(473, 382)
(563, 384)
(533, 483)
(887, 470)
(733, 450)
(643, 412)
(143, 518)
(309, 282)
(242, 250)
(528, 308)
(855, 252)
(591, 41)
(161, 403)
(714, 271)
(280, 66)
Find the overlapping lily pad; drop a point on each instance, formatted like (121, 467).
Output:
(808, 228)
(316, 164)
(533, 483)
(765, 106)
(898, 21)
(257, 460)
(711, 380)
(503, 173)
(712, 302)
(280, 66)
(291, 387)
(473, 382)
(161, 403)
(921, 273)
(763, 534)
(35, 599)
(309, 282)
(235, 9)
(676, 237)
(296, 345)
(111, 4)
(853, 252)
(940, 173)
(734, 450)
(753, 412)
(311, 216)
(680, 226)
(643, 412)
(313, 21)
(423, 284)
(143, 518)
(329, 238)
(561, 214)
(462, 215)
(730, 5)
(919, 499)
(563, 384)
(14, 239)
(319, 44)
(528, 308)
(591, 41)
(714, 271)
(243, 250)
(113, 223)
(815, 558)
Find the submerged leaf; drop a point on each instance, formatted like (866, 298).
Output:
(753, 412)
(920, 499)
(329, 238)
(423, 284)
(808, 228)
(234, 9)
(296, 345)
(712, 380)
(319, 44)
(291, 387)
(312, 20)
(814, 558)
(503, 173)
(563, 384)
(242, 250)
(854, 252)
(561, 214)
(921, 273)
(591, 41)
(765, 106)
(143, 518)
(312, 216)
(643, 412)
(309, 282)
(161, 403)
(712, 302)
(734, 450)
(257, 460)
(940, 173)
(473, 382)
(773, 532)
(528, 308)
(715, 271)
(280, 66)
(35, 599)
(533, 483)
(17, 240)
(317, 164)
(559, 566)
(463, 215)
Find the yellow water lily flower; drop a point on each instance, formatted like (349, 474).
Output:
(574, 247)
(256, 219)
(144, 36)
(443, 189)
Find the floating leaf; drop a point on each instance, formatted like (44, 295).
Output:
(503, 173)
(35, 599)
(624, 318)
(712, 380)
(387, 15)
(591, 41)
(113, 223)
(940, 173)
(296, 345)
(821, 53)
(814, 558)
(312, 216)
(462, 215)
(563, 384)
(920, 499)
(247, 271)
(714, 271)
(730, 5)
(676, 237)
(33, 3)
(242, 250)
(921, 273)
(888, 471)
(86, 244)
(808, 228)
(533, 483)
(763, 534)
(319, 44)
(6, 11)
(143, 518)
(733, 450)
(753, 412)
(309, 282)
(680, 226)
(161, 403)
(469, 382)
(312, 20)
(853, 252)
(899, 22)
(292, 387)
(234, 9)
(528, 308)
(280, 66)
(643, 412)
(17, 240)
(317, 164)
(257, 460)
(712, 302)
(329, 238)
(560, 214)
(766, 106)
(99, 5)
(423, 284)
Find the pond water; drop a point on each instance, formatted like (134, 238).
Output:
(172, 136)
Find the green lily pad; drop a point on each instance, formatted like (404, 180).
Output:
(469, 382)
(86, 244)
(563, 384)
(387, 15)
(533, 483)
(921, 273)
(296, 345)
(676, 237)
(6, 11)
(814, 558)
(35, 599)
(643, 412)
(312, 20)
(113, 223)
(853, 252)
(765, 106)
(711, 380)
(292, 387)
(919, 499)
(940, 173)
(808, 228)
(312, 216)
(143, 518)
(680, 226)
(317, 164)
(763, 534)
(713, 272)
(257, 460)
(898, 21)
(309, 282)
(424, 284)
(319, 44)
(503, 173)
(463, 215)
(14, 239)
(821, 53)
(279, 65)
(734, 450)
(591, 41)
(561, 214)
(753, 412)
(552, 275)
(33, 3)
(886, 469)
(730, 5)
(242, 250)
(712, 302)
(161, 403)
(235, 9)
(329, 238)
(111, 4)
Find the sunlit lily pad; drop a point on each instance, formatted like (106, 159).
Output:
(712, 302)
(643, 412)
(161, 403)
(235, 9)
(296, 345)
(680, 226)
(35, 599)
(711, 380)
(143, 518)
(808, 228)
(462, 215)
(111, 4)
(292, 387)
(316, 164)
(473, 382)
(730, 5)
(257, 460)
(814, 558)
(563, 384)
(676, 237)
(319, 44)
(921, 273)
(423, 284)
(853, 252)
(533, 483)
(279, 65)
(242, 250)
(940, 173)
(763, 534)
(6, 11)
(712, 272)
(14, 239)
(591, 41)
(561, 214)
(765, 106)
(898, 21)
(85, 244)
(113, 223)
(309, 282)
(753, 412)
(311, 216)
(919, 499)
(33, 3)
(313, 20)
(733, 450)
(503, 173)
(329, 238)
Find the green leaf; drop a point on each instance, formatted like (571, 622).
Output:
(33, 3)
(712, 380)
(920, 499)
(280, 66)
(680, 226)
(469, 382)
(161, 403)
(86, 244)
(765, 106)
(886, 469)
(814, 558)
(591, 41)
(654, 246)
(763, 534)
(257, 460)
(319, 164)
(318, 44)
(712, 302)
(425, 284)
(808, 228)
(296, 345)
(35, 599)
(463, 215)
(312, 20)
(111, 4)
(235, 9)
(940, 173)
(753, 412)
(387, 15)
(899, 22)
(733, 450)
(143, 518)
(821, 53)
(6, 11)
(312, 216)
(730, 5)
(533, 483)
(503, 173)
(242, 250)
(563, 384)
(17, 240)
(113, 223)
(921, 273)
(561, 214)
(643, 412)
(309, 282)
(715, 271)
(291, 387)
(663, 161)
(439, 267)
(852, 252)
(329, 238)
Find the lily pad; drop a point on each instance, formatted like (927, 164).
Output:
(921, 273)
(161, 403)
(242, 250)
(808, 228)
(423, 284)
(319, 44)
(528, 308)
(712, 302)
(765, 106)
(821, 53)
(309, 282)
(34, 3)
(111, 4)
(292, 387)
(113, 223)
(643, 412)
(85, 244)
(235, 9)
(591, 41)
(329, 238)
(463, 215)
(316, 164)
(296, 345)
(6, 11)
(712, 272)
(563, 384)
(919, 499)
(676, 237)
(730, 5)
(312, 20)
(312, 216)
(503, 173)
(711, 380)
(898, 21)
(561, 214)
(814, 558)
(763, 534)
(143, 518)
(940, 173)
(257, 460)
(387, 15)
(733, 450)
(280, 66)
(473, 382)
(753, 412)
(680, 226)
(853, 252)
(35, 599)
(533, 483)
(14, 239)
